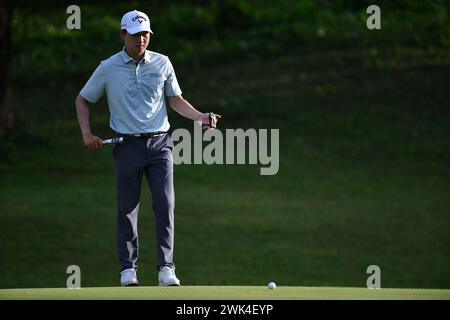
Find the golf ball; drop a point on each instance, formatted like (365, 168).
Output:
(271, 285)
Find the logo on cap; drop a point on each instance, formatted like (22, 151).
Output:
(139, 18)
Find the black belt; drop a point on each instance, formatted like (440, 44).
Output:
(144, 135)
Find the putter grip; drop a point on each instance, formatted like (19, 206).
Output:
(113, 140)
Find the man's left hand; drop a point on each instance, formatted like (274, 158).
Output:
(206, 120)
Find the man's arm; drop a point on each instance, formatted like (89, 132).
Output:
(90, 141)
(183, 107)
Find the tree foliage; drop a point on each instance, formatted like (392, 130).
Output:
(211, 31)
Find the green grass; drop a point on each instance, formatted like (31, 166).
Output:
(224, 293)
(363, 180)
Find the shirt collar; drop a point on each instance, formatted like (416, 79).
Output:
(126, 58)
(147, 56)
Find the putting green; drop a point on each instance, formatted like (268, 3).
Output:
(224, 293)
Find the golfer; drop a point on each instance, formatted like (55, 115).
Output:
(137, 83)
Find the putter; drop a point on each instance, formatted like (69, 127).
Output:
(122, 139)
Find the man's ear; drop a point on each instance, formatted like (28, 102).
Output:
(122, 34)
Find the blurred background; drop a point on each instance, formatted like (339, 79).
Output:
(364, 119)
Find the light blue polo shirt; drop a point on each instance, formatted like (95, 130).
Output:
(135, 92)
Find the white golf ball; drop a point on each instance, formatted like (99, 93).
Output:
(271, 285)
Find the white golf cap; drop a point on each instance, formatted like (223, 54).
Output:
(135, 21)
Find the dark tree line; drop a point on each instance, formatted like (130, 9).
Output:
(6, 112)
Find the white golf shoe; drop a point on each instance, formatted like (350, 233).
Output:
(167, 277)
(128, 277)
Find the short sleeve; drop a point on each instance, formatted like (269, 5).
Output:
(171, 87)
(94, 89)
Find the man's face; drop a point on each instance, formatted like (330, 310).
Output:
(137, 43)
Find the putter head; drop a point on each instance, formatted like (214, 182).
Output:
(212, 120)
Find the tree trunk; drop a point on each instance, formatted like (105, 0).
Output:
(6, 112)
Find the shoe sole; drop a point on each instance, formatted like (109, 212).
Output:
(170, 285)
(131, 284)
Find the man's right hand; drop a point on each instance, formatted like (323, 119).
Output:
(92, 142)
